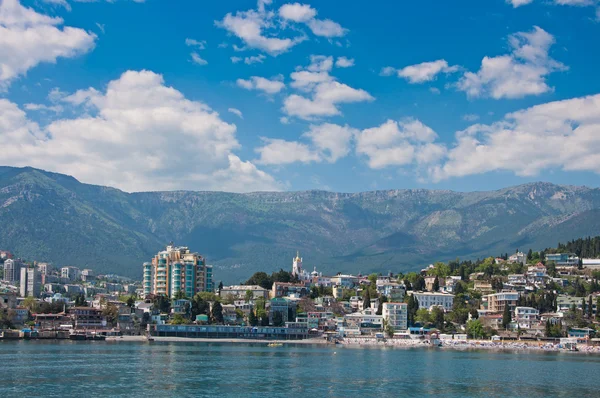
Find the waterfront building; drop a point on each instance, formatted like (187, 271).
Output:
(526, 317)
(591, 263)
(496, 302)
(434, 299)
(12, 270)
(396, 315)
(287, 309)
(177, 269)
(239, 291)
(345, 281)
(87, 317)
(30, 282)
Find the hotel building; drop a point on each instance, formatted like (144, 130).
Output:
(177, 269)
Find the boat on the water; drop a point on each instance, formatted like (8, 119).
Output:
(274, 345)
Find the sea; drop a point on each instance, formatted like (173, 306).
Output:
(119, 369)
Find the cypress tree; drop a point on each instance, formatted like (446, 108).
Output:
(436, 284)
(506, 316)
(367, 299)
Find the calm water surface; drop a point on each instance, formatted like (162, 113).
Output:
(44, 368)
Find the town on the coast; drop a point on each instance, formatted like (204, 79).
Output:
(544, 300)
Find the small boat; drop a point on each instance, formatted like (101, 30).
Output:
(274, 345)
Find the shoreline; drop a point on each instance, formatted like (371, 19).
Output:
(353, 343)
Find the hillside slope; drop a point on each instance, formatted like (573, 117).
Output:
(53, 217)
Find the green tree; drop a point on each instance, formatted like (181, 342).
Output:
(180, 295)
(506, 316)
(130, 302)
(475, 329)
(252, 319)
(437, 318)
(422, 316)
(249, 296)
(412, 307)
(382, 299)
(111, 313)
(366, 299)
(217, 313)
(178, 319)
(436, 284)
(590, 310)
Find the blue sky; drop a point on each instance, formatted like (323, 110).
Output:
(275, 95)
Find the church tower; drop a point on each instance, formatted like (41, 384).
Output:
(297, 265)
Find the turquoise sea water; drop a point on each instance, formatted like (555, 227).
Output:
(89, 369)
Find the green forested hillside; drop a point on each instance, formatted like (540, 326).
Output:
(53, 217)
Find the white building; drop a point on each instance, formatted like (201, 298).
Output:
(30, 282)
(427, 300)
(12, 270)
(297, 265)
(346, 281)
(396, 315)
(239, 291)
(591, 263)
(70, 273)
(525, 317)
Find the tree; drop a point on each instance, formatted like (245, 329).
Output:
(422, 317)
(111, 313)
(220, 286)
(382, 299)
(506, 316)
(249, 296)
(419, 284)
(178, 319)
(252, 320)
(130, 302)
(589, 308)
(437, 318)
(261, 279)
(367, 299)
(475, 329)
(217, 313)
(436, 284)
(180, 295)
(412, 307)
(31, 304)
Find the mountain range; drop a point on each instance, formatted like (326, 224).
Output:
(53, 217)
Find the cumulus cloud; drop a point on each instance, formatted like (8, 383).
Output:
(327, 143)
(518, 3)
(324, 92)
(470, 117)
(343, 62)
(268, 86)
(518, 74)
(420, 73)
(261, 29)
(137, 135)
(563, 133)
(399, 144)
(28, 38)
(297, 12)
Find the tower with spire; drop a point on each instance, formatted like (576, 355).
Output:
(297, 265)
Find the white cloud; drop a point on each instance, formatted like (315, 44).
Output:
(101, 26)
(61, 3)
(277, 151)
(235, 60)
(556, 135)
(328, 142)
(236, 112)
(518, 3)
(28, 38)
(197, 59)
(516, 75)
(139, 134)
(470, 117)
(434, 90)
(326, 28)
(297, 12)
(262, 84)
(343, 62)
(399, 144)
(200, 45)
(260, 29)
(331, 141)
(249, 26)
(254, 59)
(421, 73)
(44, 108)
(325, 92)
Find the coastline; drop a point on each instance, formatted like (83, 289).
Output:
(475, 345)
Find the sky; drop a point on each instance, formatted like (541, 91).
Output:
(346, 96)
